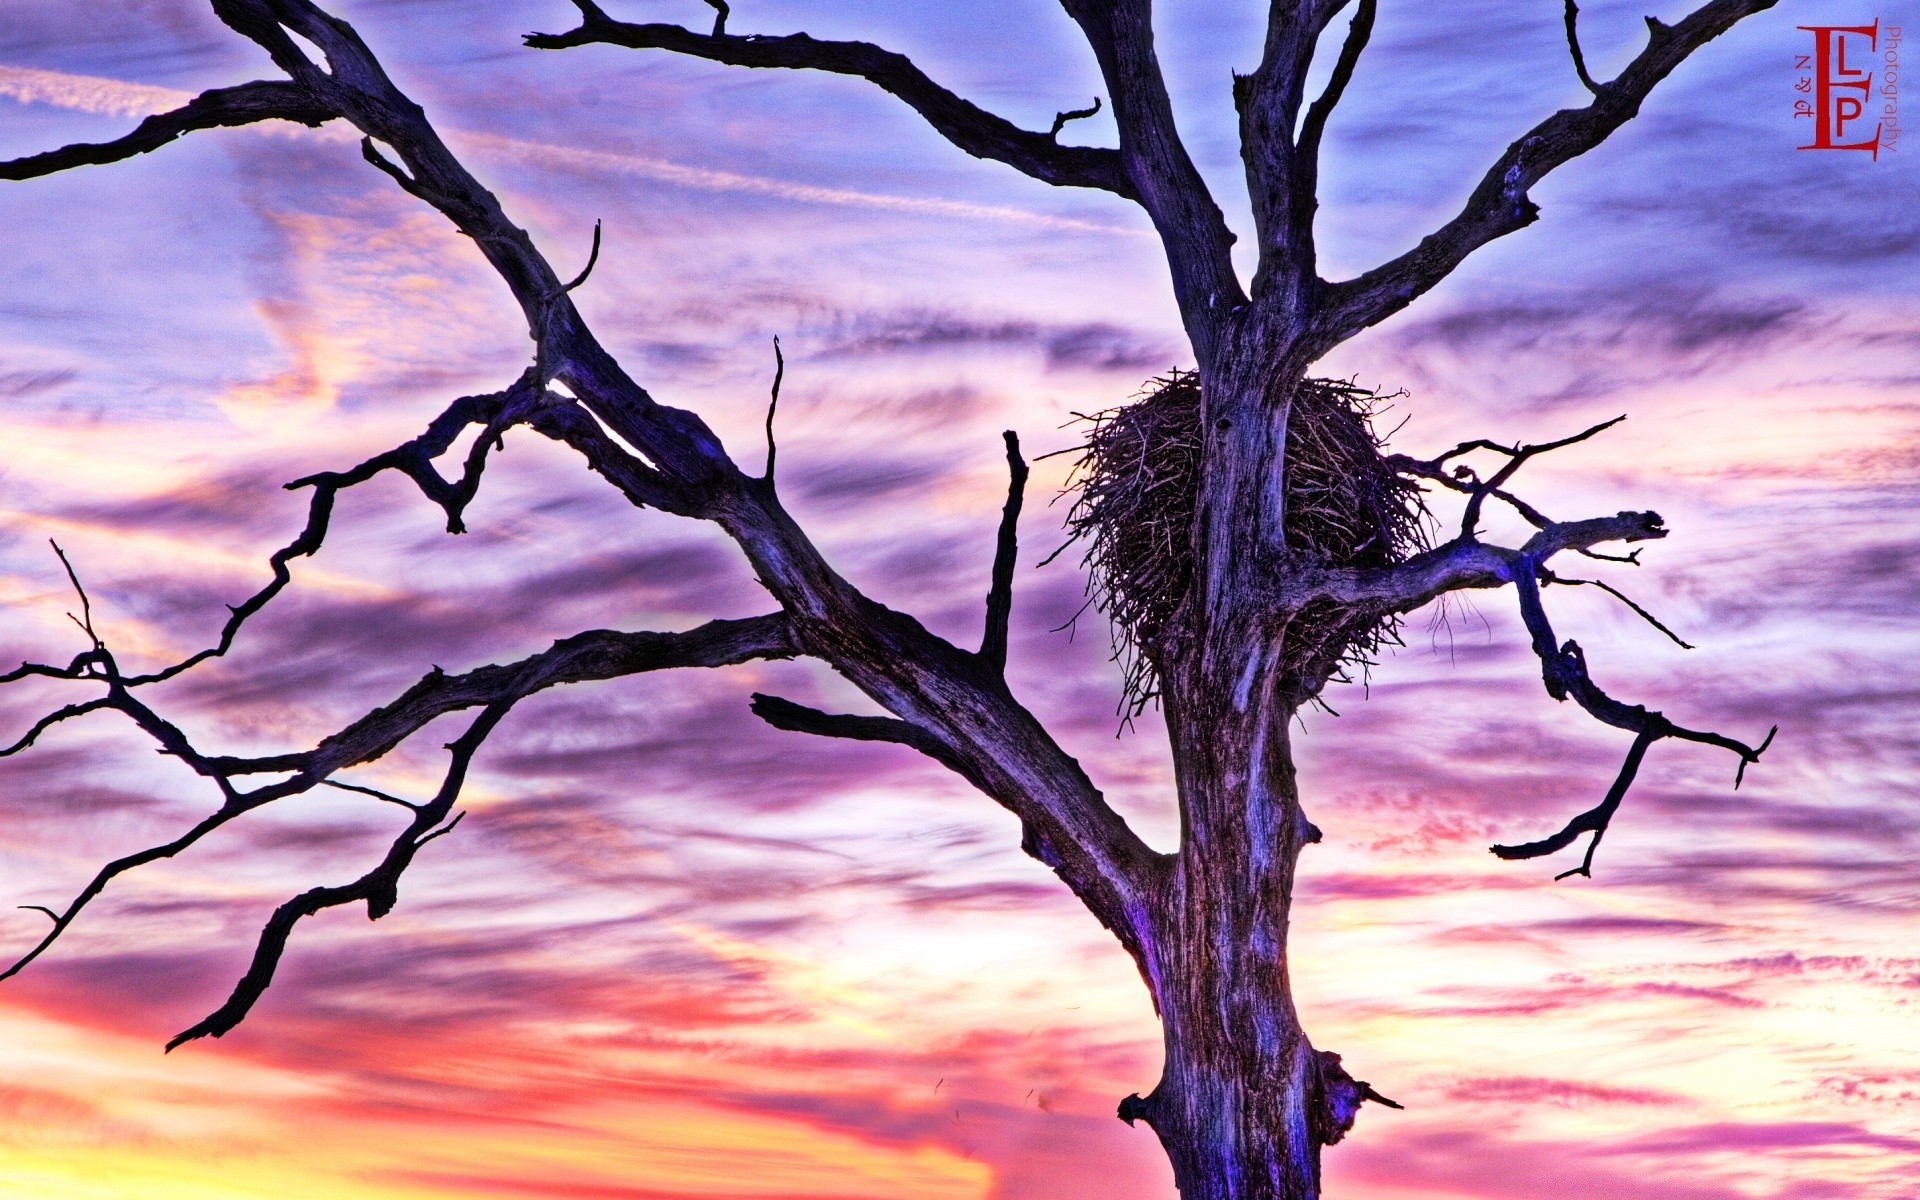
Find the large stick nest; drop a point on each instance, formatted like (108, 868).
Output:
(1137, 481)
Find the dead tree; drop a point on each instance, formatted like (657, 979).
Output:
(1268, 585)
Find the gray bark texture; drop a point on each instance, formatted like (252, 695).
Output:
(1245, 1102)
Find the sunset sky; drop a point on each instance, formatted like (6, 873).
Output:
(674, 953)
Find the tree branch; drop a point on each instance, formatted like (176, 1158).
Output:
(1564, 670)
(966, 125)
(1060, 119)
(261, 100)
(497, 412)
(1463, 563)
(380, 887)
(784, 714)
(1500, 204)
(1314, 126)
(668, 456)
(585, 657)
(773, 403)
(1573, 47)
(993, 643)
(1547, 576)
(1164, 179)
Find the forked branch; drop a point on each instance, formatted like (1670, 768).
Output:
(965, 124)
(585, 657)
(1500, 204)
(1564, 670)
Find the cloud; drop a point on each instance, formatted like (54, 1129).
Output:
(604, 162)
(88, 93)
(1510, 1090)
(1093, 346)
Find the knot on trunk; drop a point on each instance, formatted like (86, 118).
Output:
(1139, 482)
(1341, 1096)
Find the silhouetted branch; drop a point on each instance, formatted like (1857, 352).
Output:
(497, 412)
(1313, 127)
(1060, 119)
(85, 619)
(993, 643)
(966, 125)
(1517, 457)
(782, 713)
(1547, 576)
(1462, 563)
(773, 403)
(585, 657)
(222, 107)
(1500, 204)
(1564, 671)
(1573, 45)
(593, 256)
(1595, 819)
(380, 887)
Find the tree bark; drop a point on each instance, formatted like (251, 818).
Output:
(1238, 1104)
(1245, 1102)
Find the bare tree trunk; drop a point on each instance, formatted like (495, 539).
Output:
(1238, 1106)
(1245, 1102)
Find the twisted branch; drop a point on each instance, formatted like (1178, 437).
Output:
(1564, 670)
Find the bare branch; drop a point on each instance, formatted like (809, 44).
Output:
(720, 13)
(85, 620)
(1500, 204)
(1306, 171)
(1547, 576)
(1161, 173)
(376, 793)
(1516, 458)
(1463, 563)
(782, 713)
(246, 104)
(1060, 119)
(993, 643)
(676, 461)
(378, 887)
(497, 412)
(966, 125)
(569, 421)
(593, 257)
(585, 657)
(1595, 819)
(773, 402)
(1573, 46)
(1564, 671)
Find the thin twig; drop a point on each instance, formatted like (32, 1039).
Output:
(592, 258)
(1549, 577)
(993, 643)
(773, 402)
(1078, 114)
(1573, 44)
(85, 622)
